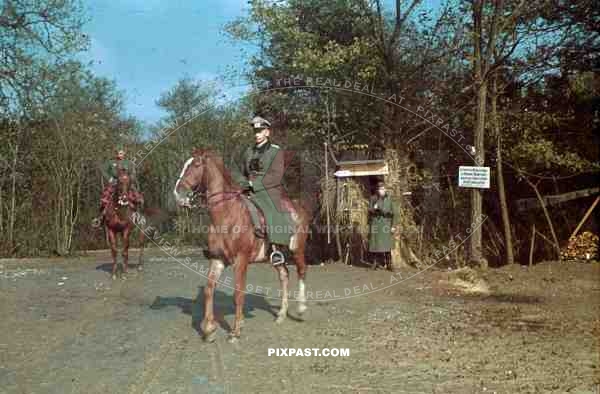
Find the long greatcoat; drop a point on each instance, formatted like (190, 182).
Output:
(382, 219)
(262, 169)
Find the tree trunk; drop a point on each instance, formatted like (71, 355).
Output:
(510, 259)
(1, 211)
(476, 253)
(13, 198)
(547, 215)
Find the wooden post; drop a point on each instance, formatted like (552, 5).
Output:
(451, 191)
(337, 221)
(421, 237)
(547, 215)
(587, 214)
(327, 194)
(560, 205)
(347, 254)
(532, 245)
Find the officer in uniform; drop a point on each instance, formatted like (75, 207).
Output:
(261, 169)
(110, 172)
(382, 220)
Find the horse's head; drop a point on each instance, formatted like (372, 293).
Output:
(123, 184)
(192, 178)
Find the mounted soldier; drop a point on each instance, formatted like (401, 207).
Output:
(260, 176)
(110, 172)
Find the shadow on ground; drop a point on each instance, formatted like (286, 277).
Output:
(223, 305)
(507, 298)
(107, 267)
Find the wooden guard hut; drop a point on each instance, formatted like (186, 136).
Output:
(347, 195)
(355, 180)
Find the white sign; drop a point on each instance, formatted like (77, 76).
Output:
(477, 177)
(342, 173)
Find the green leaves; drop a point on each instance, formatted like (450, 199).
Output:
(540, 155)
(36, 36)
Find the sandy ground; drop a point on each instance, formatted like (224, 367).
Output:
(68, 328)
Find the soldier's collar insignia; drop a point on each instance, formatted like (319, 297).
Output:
(263, 147)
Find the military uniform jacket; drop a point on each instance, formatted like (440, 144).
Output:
(262, 169)
(381, 222)
(111, 169)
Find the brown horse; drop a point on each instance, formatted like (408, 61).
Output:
(206, 173)
(120, 216)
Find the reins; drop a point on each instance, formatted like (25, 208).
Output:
(231, 195)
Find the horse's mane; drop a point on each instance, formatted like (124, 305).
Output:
(218, 162)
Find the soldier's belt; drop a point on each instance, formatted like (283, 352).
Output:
(384, 215)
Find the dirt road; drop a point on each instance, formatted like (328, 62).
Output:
(67, 328)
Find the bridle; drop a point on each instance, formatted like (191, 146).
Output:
(121, 196)
(207, 201)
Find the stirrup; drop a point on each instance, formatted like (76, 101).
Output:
(96, 222)
(277, 258)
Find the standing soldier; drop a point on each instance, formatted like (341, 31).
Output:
(382, 220)
(261, 171)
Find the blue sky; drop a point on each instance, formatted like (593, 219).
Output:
(146, 46)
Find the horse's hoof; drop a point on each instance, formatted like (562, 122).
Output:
(301, 309)
(114, 276)
(233, 338)
(210, 337)
(280, 318)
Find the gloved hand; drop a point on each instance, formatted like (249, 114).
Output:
(247, 187)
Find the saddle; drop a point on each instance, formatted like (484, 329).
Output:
(258, 217)
(134, 198)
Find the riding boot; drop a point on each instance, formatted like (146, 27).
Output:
(99, 221)
(374, 263)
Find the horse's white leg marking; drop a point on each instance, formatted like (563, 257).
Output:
(301, 296)
(214, 273)
(293, 242)
(284, 279)
(261, 252)
(216, 268)
(294, 239)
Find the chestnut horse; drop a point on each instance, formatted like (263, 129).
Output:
(120, 216)
(206, 173)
